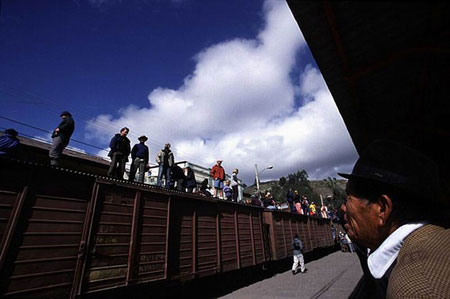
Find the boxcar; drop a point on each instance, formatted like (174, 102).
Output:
(65, 233)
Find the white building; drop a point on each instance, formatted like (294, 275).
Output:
(200, 173)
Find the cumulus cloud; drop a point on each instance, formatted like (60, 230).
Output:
(238, 104)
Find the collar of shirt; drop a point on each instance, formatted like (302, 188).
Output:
(382, 258)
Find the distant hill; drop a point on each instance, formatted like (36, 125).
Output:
(319, 186)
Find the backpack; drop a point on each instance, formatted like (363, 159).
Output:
(297, 246)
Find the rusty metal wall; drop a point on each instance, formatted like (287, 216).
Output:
(41, 238)
(65, 233)
(314, 232)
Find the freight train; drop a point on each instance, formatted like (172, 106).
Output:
(66, 233)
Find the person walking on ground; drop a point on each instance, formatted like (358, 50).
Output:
(297, 252)
(408, 241)
(9, 143)
(139, 159)
(349, 243)
(165, 161)
(120, 150)
(218, 175)
(235, 185)
(61, 137)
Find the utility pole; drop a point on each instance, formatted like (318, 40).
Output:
(257, 181)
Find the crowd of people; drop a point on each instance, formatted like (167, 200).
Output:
(173, 176)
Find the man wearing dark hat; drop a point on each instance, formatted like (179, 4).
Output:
(139, 159)
(61, 137)
(9, 143)
(388, 193)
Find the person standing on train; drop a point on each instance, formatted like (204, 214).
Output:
(61, 137)
(9, 143)
(218, 175)
(139, 159)
(235, 185)
(165, 161)
(290, 200)
(120, 150)
(297, 252)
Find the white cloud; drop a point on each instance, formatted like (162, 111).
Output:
(238, 105)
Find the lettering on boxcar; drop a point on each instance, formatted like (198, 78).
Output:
(152, 257)
(151, 267)
(106, 240)
(151, 262)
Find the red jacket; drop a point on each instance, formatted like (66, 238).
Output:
(217, 172)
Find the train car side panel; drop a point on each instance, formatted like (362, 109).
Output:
(44, 249)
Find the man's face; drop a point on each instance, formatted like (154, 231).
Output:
(124, 133)
(361, 221)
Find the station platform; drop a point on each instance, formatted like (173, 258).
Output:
(332, 276)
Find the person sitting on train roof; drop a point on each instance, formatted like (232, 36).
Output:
(177, 178)
(384, 212)
(9, 143)
(120, 150)
(268, 201)
(255, 201)
(204, 188)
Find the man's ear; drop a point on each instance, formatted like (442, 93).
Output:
(384, 209)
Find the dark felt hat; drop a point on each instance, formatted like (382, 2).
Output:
(11, 132)
(143, 137)
(65, 113)
(395, 164)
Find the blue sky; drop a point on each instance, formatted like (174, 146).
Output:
(218, 79)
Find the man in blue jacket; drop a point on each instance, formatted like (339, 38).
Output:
(120, 150)
(9, 143)
(297, 252)
(139, 159)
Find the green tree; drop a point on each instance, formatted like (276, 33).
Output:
(282, 181)
(295, 181)
(339, 195)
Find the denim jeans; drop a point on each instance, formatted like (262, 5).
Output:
(163, 171)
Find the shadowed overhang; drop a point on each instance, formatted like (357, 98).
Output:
(387, 65)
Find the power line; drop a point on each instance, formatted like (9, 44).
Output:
(48, 104)
(45, 131)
